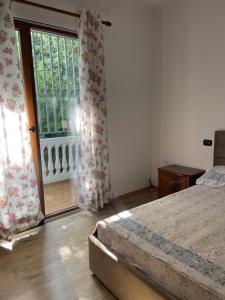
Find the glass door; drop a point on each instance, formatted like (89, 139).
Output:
(50, 65)
(55, 63)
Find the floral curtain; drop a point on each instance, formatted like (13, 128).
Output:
(19, 200)
(94, 155)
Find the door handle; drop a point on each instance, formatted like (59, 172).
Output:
(32, 129)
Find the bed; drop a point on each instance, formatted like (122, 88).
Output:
(172, 248)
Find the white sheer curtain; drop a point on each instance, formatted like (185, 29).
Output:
(94, 159)
(19, 200)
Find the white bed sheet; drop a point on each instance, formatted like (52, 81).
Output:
(177, 241)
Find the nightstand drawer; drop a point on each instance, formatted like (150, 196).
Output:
(169, 184)
(174, 178)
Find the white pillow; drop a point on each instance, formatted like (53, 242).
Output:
(214, 177)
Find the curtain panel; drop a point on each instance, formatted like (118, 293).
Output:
(94, 153)
(19, 200)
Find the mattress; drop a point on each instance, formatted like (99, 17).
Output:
(177, 241)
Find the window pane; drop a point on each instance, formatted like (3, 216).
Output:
(18, 44)
(55, 59)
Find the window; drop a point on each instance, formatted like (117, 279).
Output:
(55, 61)
(55, 65)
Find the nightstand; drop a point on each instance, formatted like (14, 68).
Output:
(174, 178)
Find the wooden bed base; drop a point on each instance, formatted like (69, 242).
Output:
(121, 280)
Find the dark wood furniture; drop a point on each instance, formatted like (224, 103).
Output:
(174, 178)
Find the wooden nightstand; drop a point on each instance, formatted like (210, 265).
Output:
(174, 178)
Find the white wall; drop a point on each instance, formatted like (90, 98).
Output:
(128, 68)
(190, 99)
(128, 53)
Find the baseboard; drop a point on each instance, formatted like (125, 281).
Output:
(133, 193)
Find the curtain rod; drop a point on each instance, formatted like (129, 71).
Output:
(76, 15)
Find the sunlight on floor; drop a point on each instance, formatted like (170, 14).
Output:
(54, 264)
(20, 236)
(65, 252)
(6, 245)
(80, 254)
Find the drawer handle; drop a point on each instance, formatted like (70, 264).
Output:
(180, 175)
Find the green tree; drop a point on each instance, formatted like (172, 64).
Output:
(56, 77)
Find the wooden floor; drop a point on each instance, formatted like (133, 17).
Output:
(54, 263)
(60, 195)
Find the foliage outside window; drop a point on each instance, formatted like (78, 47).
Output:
(55, 62)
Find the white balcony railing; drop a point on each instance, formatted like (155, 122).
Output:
(59, 158)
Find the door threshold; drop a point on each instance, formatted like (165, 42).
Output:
(62, 212)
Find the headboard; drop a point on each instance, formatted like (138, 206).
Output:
(219, 148)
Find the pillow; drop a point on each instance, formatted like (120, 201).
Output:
(214, 177)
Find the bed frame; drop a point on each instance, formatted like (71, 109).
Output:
(125, 282)
(219, 148)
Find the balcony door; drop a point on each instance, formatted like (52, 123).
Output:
(53, 109)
